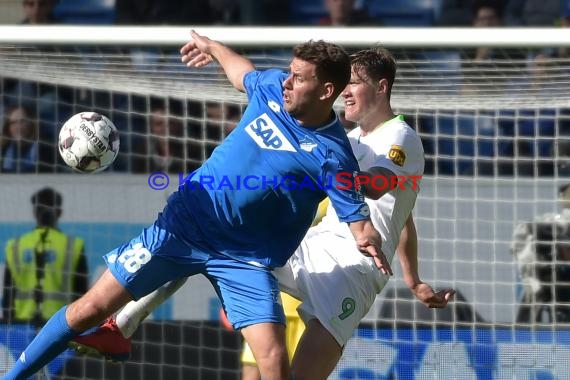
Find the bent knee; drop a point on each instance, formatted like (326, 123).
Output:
(274, 360)
(85, 313)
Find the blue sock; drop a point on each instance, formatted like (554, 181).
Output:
(48, 344)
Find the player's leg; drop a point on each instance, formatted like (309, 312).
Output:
(293, 332)
(249, 370)
(104, 298)
(267, 341)
(317, 353)
(112, 339)
(141, 270)
(250, 297)
(337, 286)
(132, 315)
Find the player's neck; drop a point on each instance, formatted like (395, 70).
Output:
(317, 120)
(377, 120)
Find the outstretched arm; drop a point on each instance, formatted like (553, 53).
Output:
(201, 50)
(407, 251)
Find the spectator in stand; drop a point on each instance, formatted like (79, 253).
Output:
(480, 62)
(556, 52)
(21, 150)
(250, 12)
(532, 12)
(162, 12)
(39, 12)
(344, 13)
(456, 13)
(35, 12)
(487, 14)
(163, 148)
(221, 119)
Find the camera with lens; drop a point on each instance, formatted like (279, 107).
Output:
(552, 267)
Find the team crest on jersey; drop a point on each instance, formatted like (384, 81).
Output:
(307, 144)
(274, 106)
(267, 136)
(397, 155)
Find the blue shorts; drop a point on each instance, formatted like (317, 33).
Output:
(249, 293)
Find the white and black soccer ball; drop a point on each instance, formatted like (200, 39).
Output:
(88, 142)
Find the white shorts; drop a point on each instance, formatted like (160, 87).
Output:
(335, 282)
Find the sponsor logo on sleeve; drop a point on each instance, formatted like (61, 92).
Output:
(397, 155)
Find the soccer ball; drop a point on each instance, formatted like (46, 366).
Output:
(88, 142)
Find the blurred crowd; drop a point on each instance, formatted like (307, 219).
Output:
(176, 136)
(296, 12)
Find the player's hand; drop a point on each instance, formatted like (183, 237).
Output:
(370, 247)
(197, 52)
(432, 299)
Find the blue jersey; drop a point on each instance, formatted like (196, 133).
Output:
(256, 196)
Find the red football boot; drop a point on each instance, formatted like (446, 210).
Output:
(105, 341)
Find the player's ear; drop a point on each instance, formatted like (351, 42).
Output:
(383, 86)
(327, 91)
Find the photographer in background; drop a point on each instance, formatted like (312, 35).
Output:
(45, 268)
(542, 252)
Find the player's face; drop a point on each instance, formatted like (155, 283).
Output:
(159, 123)
(360, 98)
(301, 90)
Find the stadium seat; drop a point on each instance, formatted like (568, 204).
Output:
(81, 12)
(402, 12)
(531, 133)
(306, 12)
(466, 143)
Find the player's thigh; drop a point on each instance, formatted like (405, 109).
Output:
(267, 342)
(337, 293)
(317, 354)
(250, 372)
(249, 294)
(152, 259)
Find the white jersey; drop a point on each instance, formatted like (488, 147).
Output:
(396, 147)
(328, 258)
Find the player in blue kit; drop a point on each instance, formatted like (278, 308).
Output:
(288, 131)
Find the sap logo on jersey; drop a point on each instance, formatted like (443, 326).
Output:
(266, 134)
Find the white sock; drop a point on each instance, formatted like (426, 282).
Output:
(132, 315)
